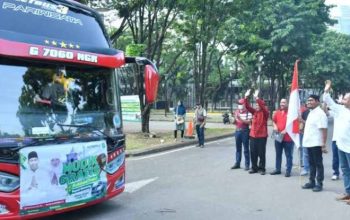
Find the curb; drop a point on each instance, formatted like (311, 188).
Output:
(166, 147)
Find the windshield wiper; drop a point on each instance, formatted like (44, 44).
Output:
(10, 151)
(37, 141)
(90, 127)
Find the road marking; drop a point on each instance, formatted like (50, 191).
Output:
(173, 151)
(160, 154)
(134, 186)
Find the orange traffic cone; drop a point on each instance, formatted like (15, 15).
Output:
(189, 131)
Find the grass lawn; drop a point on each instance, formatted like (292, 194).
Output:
(140, 141)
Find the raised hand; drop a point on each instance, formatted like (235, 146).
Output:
(340, 99)
(327, 86)
(256, 93)
(247, 93)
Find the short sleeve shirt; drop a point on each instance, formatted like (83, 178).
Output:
(316, 120)
(200, 115)
(245, 115)
(280, 119)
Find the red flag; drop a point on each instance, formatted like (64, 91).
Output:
(292, 126)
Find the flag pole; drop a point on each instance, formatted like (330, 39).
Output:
(292, 125)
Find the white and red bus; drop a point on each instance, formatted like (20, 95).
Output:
(62, 145)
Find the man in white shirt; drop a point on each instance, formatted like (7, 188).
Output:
(315, 137)
(342, 134)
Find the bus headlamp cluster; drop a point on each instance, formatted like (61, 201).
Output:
(113, 166)
(8, 182)
(3, 209)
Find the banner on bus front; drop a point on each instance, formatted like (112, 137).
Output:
(61, 176)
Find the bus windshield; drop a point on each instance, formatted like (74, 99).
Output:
(43, 101)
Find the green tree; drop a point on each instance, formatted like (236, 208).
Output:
(277, 33)
(202, 22)
(330, 60)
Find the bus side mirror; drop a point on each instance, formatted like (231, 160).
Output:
(151, 83)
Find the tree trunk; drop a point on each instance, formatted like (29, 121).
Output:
(145, 118)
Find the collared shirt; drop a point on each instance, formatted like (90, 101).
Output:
(200, 116)
(259, 122)
(316, 120)
(245, 115)
(341, 133)
(280, 119)
(333, 116)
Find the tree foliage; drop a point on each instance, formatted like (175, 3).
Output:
(330, 60)
(212, 42)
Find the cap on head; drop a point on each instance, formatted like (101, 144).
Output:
(32, 154)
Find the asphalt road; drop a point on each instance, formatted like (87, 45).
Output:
(195, 183)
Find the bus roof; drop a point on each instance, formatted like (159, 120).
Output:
(58, 30)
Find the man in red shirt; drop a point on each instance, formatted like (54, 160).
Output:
(286, 143)
(258, 133)
(243, 119)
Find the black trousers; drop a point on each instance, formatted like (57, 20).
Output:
(258, 150)
(316, 165)
(182, 133)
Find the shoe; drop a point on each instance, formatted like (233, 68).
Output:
(246, 168)
(335, 177)
(275, 172)
(317, 188)
(182, 140)
(236, 166)
(201, 146)
(252, 171)
(304, 173)
(343, 198)
(308, 186)
(175, 139)
(262, 172)
(287, 174)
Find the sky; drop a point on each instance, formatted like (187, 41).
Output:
(335, 11)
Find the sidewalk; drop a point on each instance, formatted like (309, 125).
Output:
(161, 126)
(168, 126)
(166, 147)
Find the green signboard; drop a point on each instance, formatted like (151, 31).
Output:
(131, 108)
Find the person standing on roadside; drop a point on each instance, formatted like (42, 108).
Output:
(304, 156)
(242, 121)
(286, 143)
(258, 132)
(180, 113)
(342, 133)
(315, 138)
(200, 116)
(335, 156)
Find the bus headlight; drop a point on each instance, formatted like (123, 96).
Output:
(8, 182)
(114, 165)
(3, 209)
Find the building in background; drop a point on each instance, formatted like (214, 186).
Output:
(341, 12)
